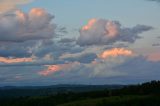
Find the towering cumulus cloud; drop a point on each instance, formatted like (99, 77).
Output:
(18, 26)
(102, 32)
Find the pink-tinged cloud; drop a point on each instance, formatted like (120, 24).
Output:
(106, 27)
(51, 69)
(19, 26)
(154, 57)
(37, 12)
(112, 29)
(103, 32)
(15, 60)
(21, 16)
(115, 52)
(89, 25)
(9, 5)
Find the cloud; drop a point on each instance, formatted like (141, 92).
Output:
(156, 44)
(88, 62)
(155, 0)
(67, 40)
(85, 55)
(115, 52)
(9, 5)
(18, 26)
(15, 60)
(80, 57)
(51, 69)
(154, 57)
(26, 33)
(96, 67)
(139, 69)
(103, 32)
(125, 69)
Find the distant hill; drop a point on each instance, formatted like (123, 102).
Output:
(22, 91)
(145, 94)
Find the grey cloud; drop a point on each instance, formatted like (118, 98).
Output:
(83, 58)
(141, 68)
(62, 30)
(131, 70)
(23, 49)
(18, 26)
(8, 49)
(156, 44)
(155, 0)
(20, 75)
(67, 40)
(104, 32)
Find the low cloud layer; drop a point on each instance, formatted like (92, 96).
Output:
(15, 60)
(103, 32)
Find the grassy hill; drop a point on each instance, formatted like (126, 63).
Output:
(118, 101)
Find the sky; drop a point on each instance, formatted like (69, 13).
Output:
(48, 42)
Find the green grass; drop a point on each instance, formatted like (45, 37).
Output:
(118, 101)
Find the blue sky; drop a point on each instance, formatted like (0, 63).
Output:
(46, 42)
(127, 11)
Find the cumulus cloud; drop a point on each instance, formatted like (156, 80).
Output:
(115, 52)
(9, 5)
(97, 67)
(103, 32)
(18, 26)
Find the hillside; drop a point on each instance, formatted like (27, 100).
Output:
(146, 94)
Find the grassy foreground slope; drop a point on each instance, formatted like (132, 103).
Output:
(118, 101)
